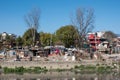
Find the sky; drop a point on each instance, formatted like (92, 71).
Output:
(57, 13)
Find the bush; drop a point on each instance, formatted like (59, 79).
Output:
(19, 69)
(8, 70)
(0, 67)
(101, 69)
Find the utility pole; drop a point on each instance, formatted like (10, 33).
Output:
(34, 36)
(51, 40)
(50, 43)
(96, 41)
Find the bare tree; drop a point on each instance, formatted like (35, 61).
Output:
(83, 23)
(32, 20)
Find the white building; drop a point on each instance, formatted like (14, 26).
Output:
(12, 35)
(99, 33)
(4, 35)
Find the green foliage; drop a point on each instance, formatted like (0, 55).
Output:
(28, 37)
(92, 68)
(81, 69)
(98, 64)
(8, 70)
(60, 70)
(45, 38)
(38, 69)
(0, 36)
(76, 67)
(19, 69)
(67, 35)
(101, 69)
(19, 41)
(23, 70)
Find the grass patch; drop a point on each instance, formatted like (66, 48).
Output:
(24, 70)
(93, 69)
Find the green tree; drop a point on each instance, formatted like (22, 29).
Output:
(1, 41)
(45, 39)
(67, 35)
(19, 41)
(0, 36)
(28, 37)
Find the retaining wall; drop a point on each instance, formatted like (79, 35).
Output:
(47, 64)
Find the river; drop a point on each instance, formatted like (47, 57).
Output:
(60, 76)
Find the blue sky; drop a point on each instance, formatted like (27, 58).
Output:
(57, 13)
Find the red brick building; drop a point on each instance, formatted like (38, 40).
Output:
(95, 39)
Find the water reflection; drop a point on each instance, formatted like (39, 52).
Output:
(60, 76)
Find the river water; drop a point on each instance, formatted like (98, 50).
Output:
(60, 76)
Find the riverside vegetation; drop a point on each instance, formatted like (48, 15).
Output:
(78, 69)
(95, 69)
(24, 70)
